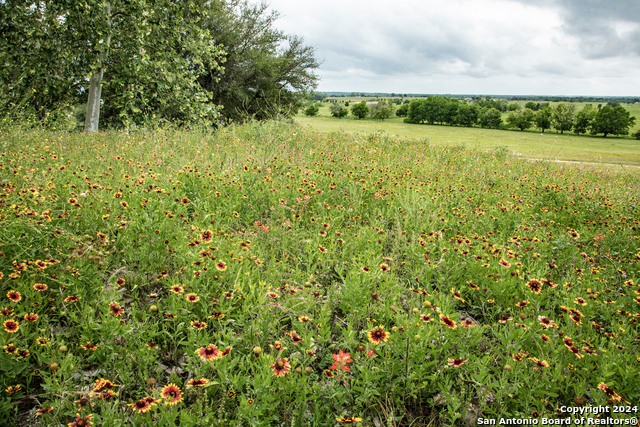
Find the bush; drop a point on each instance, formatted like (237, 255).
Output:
(637, 135)
(312, 110)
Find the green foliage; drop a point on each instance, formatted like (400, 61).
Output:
(156, 59)
(266, 72)
(402, 110)
(360, 110)
(261, 230)
(381, 110)
(543, 117)
(584, 118)
(490, 118)
(312, 110)
(150, 53)
(514, 106)
(636, 135)
(612, 120)
(521, 119)
(338, 110)
(562, 116)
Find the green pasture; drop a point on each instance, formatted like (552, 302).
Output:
(527, 144)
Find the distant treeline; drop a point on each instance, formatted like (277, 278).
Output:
(318, 96)
(607, 120)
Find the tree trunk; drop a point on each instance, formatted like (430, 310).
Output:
(93, 104)
(92, 117)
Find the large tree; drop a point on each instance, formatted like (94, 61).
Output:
(562, 116)
(612, 120)
(583, 119)
(266, 72)
(521, 119)
(542, 118)
(136, 58)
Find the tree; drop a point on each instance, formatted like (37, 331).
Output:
(381, 110)
(142, 57)
(612, 120)
(338, 110)
(562, 117)
(520, 119)
(360, 110)
(542, 118)
(402, 110)
(490, 118)
(312, 110)
(583, 119)
(532, 106)
(514, 106)
(266, 72)
(467, 115)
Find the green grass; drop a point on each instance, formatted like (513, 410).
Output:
(361, 269)
(527, 144)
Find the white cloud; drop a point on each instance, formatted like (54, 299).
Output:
(463, 46)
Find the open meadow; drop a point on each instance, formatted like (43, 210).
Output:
(273, 275)
(529, 144)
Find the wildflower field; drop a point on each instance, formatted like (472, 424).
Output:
(267, 276)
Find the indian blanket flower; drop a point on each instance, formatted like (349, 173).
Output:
(378, 335)
(545, 338)
(535, 286)
(523, 304)
(141, 406)
(192, 298)
(81, 421)
(457, 362)
(102, 385)
(115, 309)
(304, 319)
(11, 326)
(72, 298)
(171, 394)
(40, 287)
(609, 392)
(505, 319)
(89, 346)
(209, 352)
(176, 289)
(348, 420)
(198, 325)
(540, 363)
(281, 367)
(221, 266)
(296, 338)
(277, 346)
(197, 382)
(457, 295)
(14, 296)
(42, 341)
(448, 322)
(31, 317)
(13, 389)
(43, 411)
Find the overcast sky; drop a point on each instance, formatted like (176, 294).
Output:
(501, 47)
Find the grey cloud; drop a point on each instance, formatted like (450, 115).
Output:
(604, 28)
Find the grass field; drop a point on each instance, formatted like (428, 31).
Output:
(527, 144)
(268, 275)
